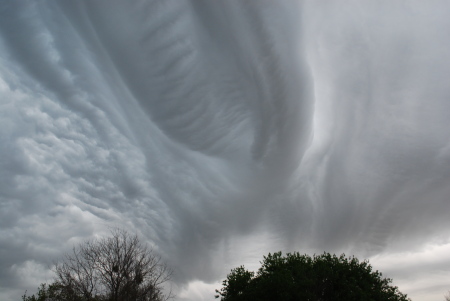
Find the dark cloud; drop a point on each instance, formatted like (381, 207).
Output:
(220, 131)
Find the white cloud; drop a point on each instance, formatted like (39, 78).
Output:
(221, 131)
(198, 290)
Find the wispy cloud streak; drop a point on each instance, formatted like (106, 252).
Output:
(223, 130)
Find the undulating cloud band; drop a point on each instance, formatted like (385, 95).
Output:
(220, 131)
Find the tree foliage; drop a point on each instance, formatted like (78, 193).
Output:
(116, 268)
(301, 277)
(52, 292)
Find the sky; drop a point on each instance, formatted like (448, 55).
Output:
(220, 131)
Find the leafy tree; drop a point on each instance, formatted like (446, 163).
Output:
(116, 268)
(323, 277)
(52, 292)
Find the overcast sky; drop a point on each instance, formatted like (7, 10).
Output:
(220, 131)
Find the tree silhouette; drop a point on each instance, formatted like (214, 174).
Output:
(115, 268)
(323, 277)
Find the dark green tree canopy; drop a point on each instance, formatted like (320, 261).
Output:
(296, 277)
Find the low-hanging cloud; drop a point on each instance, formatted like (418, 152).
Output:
(220, 131)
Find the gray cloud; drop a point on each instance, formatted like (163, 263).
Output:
(220, 131)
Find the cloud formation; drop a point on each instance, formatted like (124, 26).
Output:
(220, 131)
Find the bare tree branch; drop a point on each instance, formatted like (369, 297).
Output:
(116, 268)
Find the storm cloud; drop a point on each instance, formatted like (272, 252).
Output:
(220, 131)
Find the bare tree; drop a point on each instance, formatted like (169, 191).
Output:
(447, 297)
(116, 268)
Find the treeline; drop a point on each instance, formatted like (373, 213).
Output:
(121, 268)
